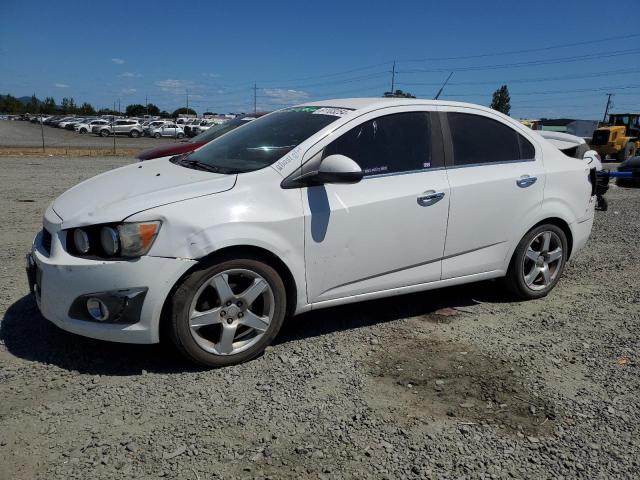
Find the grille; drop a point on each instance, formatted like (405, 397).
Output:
(46, 240)
(600, 137)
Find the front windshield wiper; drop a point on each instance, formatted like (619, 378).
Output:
(197, 165)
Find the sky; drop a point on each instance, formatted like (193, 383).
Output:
(558, 58)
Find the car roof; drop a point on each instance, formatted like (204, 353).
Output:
(373, 103)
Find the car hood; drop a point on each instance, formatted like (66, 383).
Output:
(120, 193)
(166, 150)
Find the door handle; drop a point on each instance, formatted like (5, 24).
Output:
(526, 181)
(429, 198)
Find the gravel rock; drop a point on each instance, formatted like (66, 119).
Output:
(502, 389)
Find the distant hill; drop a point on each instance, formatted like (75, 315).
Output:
(26, 100)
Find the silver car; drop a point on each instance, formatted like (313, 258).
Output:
(121, 127)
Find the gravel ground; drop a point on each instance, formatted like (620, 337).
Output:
(459, 383)
(26, 134)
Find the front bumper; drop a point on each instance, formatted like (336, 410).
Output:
(58, 279)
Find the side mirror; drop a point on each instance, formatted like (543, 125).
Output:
(338, 169)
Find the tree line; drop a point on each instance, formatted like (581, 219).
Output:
(16, 106)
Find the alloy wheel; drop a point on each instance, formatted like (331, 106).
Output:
(231, 311)
(542, 261)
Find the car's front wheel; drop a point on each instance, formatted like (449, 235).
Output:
(134, 133)
(156, 135)
(227, 313)
(104, 133)
(538, 262)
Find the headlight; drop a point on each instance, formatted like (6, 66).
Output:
(81, 241)
(115, 241)
(136, 238)
(109, 240)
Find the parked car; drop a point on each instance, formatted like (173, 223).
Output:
(189, 124)
(167, 130)
(152, 125)
(198, 141)
(71, 125)
(87, 125)
(198, 128)
(308, 207)
(120, 127)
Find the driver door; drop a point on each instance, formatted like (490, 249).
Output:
(388, 230)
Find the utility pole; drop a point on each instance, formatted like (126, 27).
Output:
(119, 111)
(112, 129)
(187, 101)
(393, 77)
(146, 103)
(255, 97)
(606, 109)
(41, 128)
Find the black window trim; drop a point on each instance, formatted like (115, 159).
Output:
(448, 142)
(311, 161)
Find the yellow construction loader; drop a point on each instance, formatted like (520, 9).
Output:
(620, 138)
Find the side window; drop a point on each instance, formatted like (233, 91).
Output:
(477, 139)
(400, 142)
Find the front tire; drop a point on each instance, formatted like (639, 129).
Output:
(538, 262)
(227, 313)
(134, 134)
(628, 151)
(104, 133)
(180, 135)
(156, 135)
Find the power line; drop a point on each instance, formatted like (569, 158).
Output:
(528, 80)
(592, 56)
(527, 50)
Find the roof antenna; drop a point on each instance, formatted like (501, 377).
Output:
(442, 87)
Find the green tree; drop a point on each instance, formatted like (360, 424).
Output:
(68, 105)
(209, 113)
(164, 114)
(34, 105)
(10, 104)
(135, 110)
(398, 94)
(49, 105)
(183, 111)
(501, 100)
(86, 109)
(152, 109)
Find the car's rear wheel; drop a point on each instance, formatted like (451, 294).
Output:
(227, 313)
(180, 135)
(156, 135)
(134, 134)
(538, 262)
(104, 133)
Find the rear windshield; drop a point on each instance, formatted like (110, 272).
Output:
(263, 141)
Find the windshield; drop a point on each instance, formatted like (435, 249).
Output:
(216, 131)
(265, 140)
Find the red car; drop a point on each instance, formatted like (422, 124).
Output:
(199, 140)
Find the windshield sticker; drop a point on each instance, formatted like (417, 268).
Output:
(293, 155)
(302, 109)
(334, 111)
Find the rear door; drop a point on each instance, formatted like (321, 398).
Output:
(497, 183)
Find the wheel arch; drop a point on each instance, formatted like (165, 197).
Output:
(233, 252)
(562, 225)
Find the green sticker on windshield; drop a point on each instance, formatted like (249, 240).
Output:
(302, 109)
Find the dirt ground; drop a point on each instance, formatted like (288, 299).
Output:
(458, 383)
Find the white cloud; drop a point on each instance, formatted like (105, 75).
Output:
(117, 61)
(128, 91)
(172, 85)
(285, 96)
(212, 75)
(130, 75)
(61, 85)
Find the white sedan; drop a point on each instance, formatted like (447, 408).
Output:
(305, 208)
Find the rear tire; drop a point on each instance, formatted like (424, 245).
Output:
(538, 262)
(156, 135)
(134, 134)
(104, 133)
(227, 313)
(180, 135)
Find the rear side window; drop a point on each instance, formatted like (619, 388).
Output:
(477, 139)
(395, 143)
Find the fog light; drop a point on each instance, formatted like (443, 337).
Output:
(97, 309)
